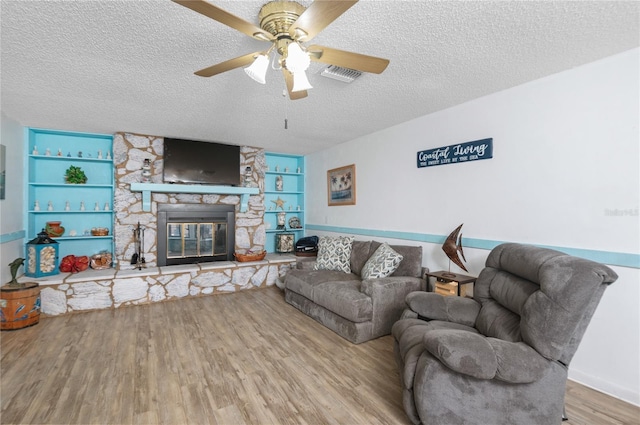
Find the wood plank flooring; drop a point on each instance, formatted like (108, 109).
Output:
(242, 358)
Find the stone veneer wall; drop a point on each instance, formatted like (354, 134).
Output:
(101, 289)
(129, 152)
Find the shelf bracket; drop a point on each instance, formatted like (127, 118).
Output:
(148, 188)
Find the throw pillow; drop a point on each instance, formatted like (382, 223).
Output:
(334, 253)
(382, 263)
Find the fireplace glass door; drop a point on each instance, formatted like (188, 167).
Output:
(190, 240)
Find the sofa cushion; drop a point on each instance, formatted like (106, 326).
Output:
(304, 282)
(411, 264)
(382, 263)
(360, 253)
(334, 253)
(344, 299)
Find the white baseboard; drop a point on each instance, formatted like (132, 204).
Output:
(606, 387)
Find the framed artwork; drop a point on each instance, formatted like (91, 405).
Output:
(341, 185)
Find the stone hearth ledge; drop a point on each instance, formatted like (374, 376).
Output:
(110, 288)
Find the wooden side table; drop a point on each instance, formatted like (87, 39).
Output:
(448, 283)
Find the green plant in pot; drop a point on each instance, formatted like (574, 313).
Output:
(75, 175)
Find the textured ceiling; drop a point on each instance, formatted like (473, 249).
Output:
(108, 66)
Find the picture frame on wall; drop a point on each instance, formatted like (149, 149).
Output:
(341, 185)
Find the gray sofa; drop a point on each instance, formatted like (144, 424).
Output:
(356, 309)
(503, 356)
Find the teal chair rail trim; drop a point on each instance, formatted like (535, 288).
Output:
(622, 259)
(13, 236)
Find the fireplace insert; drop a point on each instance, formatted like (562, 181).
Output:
(195, 233)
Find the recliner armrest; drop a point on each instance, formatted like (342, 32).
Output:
(434, 306)
(485, 358)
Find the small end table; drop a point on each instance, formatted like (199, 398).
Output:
(448, 283)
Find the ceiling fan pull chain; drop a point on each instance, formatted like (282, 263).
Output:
(286, 119)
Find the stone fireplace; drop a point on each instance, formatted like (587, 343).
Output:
(129, 153)
(125, 284)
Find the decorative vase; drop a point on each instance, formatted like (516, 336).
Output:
(54, 229)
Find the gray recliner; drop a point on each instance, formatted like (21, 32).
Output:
(501, 357)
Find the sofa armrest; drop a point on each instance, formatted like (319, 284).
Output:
(475, 355)
(434, 306)
(387, 296)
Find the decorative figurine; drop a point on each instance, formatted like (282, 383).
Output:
(279, 183)
(298, 170)
(277, 168)
(59, 152)
(298, 207)
(286, 169)
(99, 154)
(68, 154)
(13, 267)
(67, 207)
(452, 246)
(50, 206)
(79, 154)
(35, 151)
(108, 155)
(247, 177)
(106, 206)
(146, 171)
(82, 208)
(36, 207)
(97, 207)
(47, 152)
(281, 218)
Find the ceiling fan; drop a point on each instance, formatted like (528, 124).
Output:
(287, 25)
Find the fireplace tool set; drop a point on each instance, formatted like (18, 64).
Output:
(137, 258)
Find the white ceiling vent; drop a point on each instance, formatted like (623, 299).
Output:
(345, 75)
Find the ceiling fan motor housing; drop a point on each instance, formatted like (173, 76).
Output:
(277, 16)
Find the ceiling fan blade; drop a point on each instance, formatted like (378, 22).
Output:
(346, 59)
(288, 78)
(317, 17)
(227, 65)
(214, 12)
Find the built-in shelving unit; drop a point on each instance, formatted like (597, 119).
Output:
(290, 169)
(49, 154)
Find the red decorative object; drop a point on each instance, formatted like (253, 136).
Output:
(73, 264)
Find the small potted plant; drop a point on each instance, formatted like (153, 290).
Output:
(75, 175)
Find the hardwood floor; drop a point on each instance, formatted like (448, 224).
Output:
(242, 358)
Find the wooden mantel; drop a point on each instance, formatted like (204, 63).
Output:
(147, 188)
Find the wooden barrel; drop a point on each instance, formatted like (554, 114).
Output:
(20, 307)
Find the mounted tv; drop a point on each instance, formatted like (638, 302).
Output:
(192, 162)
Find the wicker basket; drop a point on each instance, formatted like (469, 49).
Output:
(99, 231)
(250, 256)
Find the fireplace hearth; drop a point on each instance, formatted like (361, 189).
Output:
(194, 233)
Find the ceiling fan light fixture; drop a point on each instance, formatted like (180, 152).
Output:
(258, 69)
(300, 82)
(296, 60)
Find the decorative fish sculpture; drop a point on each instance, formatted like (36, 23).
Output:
(453, 245)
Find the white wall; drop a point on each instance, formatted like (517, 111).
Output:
(566, 151)
(11, 208)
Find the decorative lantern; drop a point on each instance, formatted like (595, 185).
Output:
(284, 242)
(42, 256)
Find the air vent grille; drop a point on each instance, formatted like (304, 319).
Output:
(345, 75)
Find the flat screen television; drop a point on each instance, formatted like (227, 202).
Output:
(193, 162)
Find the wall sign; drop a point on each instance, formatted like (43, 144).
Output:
(453, 154)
